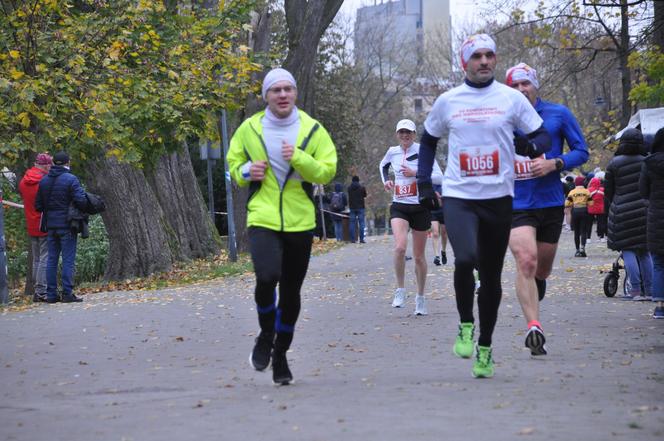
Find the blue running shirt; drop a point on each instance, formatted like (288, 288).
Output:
(547, 191)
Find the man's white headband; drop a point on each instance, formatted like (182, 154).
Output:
(474, 43)
(274, 76)
(521, 72)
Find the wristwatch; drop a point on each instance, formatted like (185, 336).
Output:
(560, 164)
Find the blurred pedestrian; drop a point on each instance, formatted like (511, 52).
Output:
(579, 199)
(356, 195)
(628, 212)
(57, 191)
(596, 210)
(338, 204)
(28, 188)
(651, 185)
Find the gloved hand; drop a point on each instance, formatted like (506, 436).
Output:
(427, 196)
(525, 147)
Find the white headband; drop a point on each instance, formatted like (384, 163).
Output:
(521, 72)
(472, 44)
(274, 76)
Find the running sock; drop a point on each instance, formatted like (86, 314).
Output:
(267, 315)
(534, 323)
(284, 334)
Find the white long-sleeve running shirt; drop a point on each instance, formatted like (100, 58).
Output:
(405, 187)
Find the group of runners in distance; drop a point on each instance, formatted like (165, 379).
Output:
(500, 188)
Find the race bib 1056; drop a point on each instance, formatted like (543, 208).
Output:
(479, 161)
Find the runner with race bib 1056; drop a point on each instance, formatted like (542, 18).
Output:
(479, 117)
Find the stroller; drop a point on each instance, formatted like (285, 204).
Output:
(612, 278)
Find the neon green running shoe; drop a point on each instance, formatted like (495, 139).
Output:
(483, 366)
(463, 346)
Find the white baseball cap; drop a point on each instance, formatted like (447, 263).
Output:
(406, 124)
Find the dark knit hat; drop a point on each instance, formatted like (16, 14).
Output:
(61, 158)
(356, 179)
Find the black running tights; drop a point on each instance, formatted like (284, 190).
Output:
(279, 258)
(479, 231)
(580, 219)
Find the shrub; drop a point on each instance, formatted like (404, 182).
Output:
(92, 253)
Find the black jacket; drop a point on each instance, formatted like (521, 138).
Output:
(652, 188)
(356, 195)
(67, 190)
(627, 209)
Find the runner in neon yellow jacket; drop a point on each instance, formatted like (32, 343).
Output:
(280, 152)
(314, 161)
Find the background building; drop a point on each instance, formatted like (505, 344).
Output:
(407, 44)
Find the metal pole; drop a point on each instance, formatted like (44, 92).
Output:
(210, 163)
(232, 244)
(321, 190)
(4, 293)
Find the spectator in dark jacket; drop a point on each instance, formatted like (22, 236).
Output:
(652, 188)
(356, 195)
(38, 240)
(627, 212)
(56, 192)
(338, 209)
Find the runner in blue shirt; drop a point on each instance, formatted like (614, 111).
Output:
(538, 206)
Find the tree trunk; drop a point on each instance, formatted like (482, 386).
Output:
(135, 223)
(623, 55)
(260, 43)
(190, 230)
(307, 21)
(658, 25)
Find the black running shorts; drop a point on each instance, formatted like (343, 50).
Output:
(548, 222)
(437, 215)
(418, 217)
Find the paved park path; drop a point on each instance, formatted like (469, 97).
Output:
(172, 364)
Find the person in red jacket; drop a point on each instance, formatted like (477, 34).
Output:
(596, 210)
(28, 188)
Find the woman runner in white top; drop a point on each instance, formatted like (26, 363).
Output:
(406, 211)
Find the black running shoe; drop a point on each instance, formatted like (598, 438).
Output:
(260, 356)
(436, 261)
(535, 341)
(582, 253)
(541, 288)
(443, 258)
(281, 375)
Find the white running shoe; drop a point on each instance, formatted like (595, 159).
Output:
(399, 298)
(420, 306)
